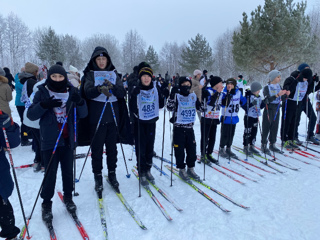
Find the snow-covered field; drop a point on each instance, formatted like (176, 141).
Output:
(282, 206)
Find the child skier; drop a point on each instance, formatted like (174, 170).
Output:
(51, 104)
(211, 100)
(184, 104)
(251, 118)
(232, 99)
(270, 122)
(146, 99)
(7, 220)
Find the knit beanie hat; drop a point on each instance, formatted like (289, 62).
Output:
(73, 69)
(144, 68)
(214, 80)
(184, 79)
(240, 76)
(54, 85)
(302, 66)
(306, 73)
(196, 72)
(31, 67)
(273, 74)
(2, 73)
(204, 72)
(255, 86)
(231, 81)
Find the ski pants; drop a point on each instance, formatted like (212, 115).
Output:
(250, 130)
(37, 145)
(208, 135)
(184, 139)
(311, 116)
(24, 129)
(269, 124)
(227, 134)
(106, 135)
(64, 155)
(7, 220)
(288, 125)
(145, 146)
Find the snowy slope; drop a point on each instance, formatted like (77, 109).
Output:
(282, 206)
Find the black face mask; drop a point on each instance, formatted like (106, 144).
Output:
(185, 90)
(57, 86)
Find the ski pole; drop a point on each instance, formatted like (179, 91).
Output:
(139, 147)
(115, 121)
(204, 138)
(95, 133)
(307, 133)
(284, 122)
(247, 128)
(15, 177)
(265, 156)
(164, 124)
(230, 132)
(222, 124)
(75, 151)
(275, 116)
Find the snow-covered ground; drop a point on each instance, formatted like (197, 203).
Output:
(282, 206)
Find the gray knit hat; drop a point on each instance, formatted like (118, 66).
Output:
(255, 86)
(2, 72)
(273, 74)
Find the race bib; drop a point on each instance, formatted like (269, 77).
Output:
(274, 89)
(186, 112)
(148, 104)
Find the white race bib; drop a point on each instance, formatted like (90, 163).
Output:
(254, 111)
(274, 89)
(60, 112)
(148, 104)
(186, 112)
(301, 91)
(234, 105)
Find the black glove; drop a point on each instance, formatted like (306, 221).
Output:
(174, 91)
(315, 78)
(214, 99)
(254, 102)
(51, 103)
(5, 120)
(205, 94)
(136, 91)
(104, 90)
(165, 92)
(75, 97)
(233, 91)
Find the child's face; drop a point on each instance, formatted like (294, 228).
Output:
(277, 79)
(102, 62)
(256, 93)
(57, 77)
(230, 86)
(145, 80)
(186, 84)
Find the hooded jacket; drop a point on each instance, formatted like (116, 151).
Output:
(5, 95)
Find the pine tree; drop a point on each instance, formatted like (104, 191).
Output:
(198, 55)
(277, 36)
(152, 58)
(49, 47)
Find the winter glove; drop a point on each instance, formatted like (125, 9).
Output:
(108, 84)
(254, 102)
(233, 91)
(51, 103)
(5, 120)
(205, 94)
(315, 78)
(214, 99)
(135, 91)
(165, 92)
(174, 91)
(104, 90)
(75, 97)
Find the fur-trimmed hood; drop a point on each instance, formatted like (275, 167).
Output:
(3, 79)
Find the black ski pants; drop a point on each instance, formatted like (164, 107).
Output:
(250, 130)
(227, 134)
(208, 134)
(145, 146)
(184, 140)
(106, 136)
(7, 220)
(269, 124)
(311, 115)
(64, 155)
(37, 145)
(288, 125)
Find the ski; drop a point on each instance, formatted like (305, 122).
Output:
(163, 172)
(299, 152)
(198, 190)
(102, 213)
(309, 154)
(310, 148)
(163, 194)
(224, 173)
(77, 222)
(23, 231)
(51, 230)
(127, 206)
(24, 166)
(154, 198)
(83, 155)
(265, 163)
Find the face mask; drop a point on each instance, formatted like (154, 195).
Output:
(57, 86)
(185, 90)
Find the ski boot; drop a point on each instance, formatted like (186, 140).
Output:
(113, 180)
(192, 174)
(183, 174)
(265, 150)
(222, 153)
(98, 184)
(253, 149)
(313, 140)
(144, 180)
(247, 151)
(297, 141)
(71, 207)
(230, 153)
(36, 167)
(47, 212)
(150, 177)
(273, 148)
(294, 144)
(204, 158)
(212, 159)
(25, 143)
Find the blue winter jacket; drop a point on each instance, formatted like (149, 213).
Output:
(49, 129)
(18, 86)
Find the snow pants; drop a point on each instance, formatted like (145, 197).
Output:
(250, 130)
(311, 116)
(288, 125)
(227, 134)
(7, 220)
(208, 135)
(269, 124)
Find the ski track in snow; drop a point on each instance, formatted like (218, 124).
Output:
(282, 206)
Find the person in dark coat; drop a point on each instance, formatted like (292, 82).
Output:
(52, 104)
(10, 77)
(7, 219)
(102, 87)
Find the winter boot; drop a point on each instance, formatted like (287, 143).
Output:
(247, 151)
(98, 183)
(273, 148)
(317, 136)
(71, 207)
(192, 174)
(113, 180)
(183, 174)
(144, 180)
(253, 149)
(36, 167)
(230, 153)
(313, 140)
(222, 153)
(294, 144)
(212, 159)
(47, 212)
(265, 150)
(149, 176)
(25, 143)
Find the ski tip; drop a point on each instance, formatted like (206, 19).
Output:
(128, 176)
(76, 180)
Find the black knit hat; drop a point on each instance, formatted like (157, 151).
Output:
(240, 76)
(306, 73)
(214, 80)
(184, 79)
(231, 81)
(204, 72)
(144, 68)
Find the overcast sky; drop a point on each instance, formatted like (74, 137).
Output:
(157, 21)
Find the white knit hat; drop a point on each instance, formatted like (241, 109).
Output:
(196, 72)
(73, 69)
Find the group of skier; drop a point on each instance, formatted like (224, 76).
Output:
(100, 111)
